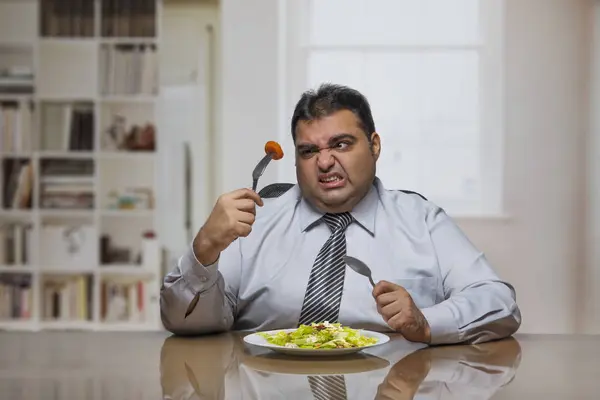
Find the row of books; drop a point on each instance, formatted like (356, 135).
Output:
(17, 183)
(120, 18)
(67, 18)
(68, 127)
(15, 296)
(16, 69)
(16, 133)
(129, 69)
(67, 298)
(15, 243)
(129, 18)
(122, 301)
(67, 184)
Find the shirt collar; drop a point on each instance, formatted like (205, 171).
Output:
(364, 212)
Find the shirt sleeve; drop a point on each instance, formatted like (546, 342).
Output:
(478, 306)
(197, 299)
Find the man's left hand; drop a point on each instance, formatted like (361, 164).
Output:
(399, 311)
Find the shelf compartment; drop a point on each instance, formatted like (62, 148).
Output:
(16, 244)
(16, 296)
(124, 300)
(67, 126)
(67, 18)
(126, 185)
(128, 70)
(66, 298)
(17, 126)
(127, 127)
(67, 184)
(18, 182)
(67, 69)
(122, 19)
(18, 21)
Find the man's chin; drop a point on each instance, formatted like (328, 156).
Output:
(335, 200)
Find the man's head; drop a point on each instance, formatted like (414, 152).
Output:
(336, 147)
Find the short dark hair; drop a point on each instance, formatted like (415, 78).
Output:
(328, 99)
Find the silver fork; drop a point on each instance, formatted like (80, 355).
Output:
(260, 169)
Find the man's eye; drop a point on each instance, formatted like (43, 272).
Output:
(341, 146)
(306, 152)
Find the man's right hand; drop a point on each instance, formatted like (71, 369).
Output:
(232, 217)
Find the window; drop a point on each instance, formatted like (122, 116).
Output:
(431, 70)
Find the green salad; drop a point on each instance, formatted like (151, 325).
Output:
(320, 336)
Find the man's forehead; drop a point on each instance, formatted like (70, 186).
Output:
(324, 128)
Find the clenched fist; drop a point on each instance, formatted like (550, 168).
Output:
(400, 312)
(232, 217)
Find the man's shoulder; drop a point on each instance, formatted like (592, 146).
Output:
(407, 204)
(275, 205)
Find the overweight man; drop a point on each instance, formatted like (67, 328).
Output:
(260, 264)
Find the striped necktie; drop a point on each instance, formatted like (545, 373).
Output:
(326, 283)
(324, 295)
(330, 387)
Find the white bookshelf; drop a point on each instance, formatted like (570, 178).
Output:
(70, 70)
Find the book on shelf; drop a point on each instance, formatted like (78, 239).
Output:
(16, 70)
(129, 69)
(67, 298)
(122, 301)
(16, 131)
(68, 127)
(67, 18)
(67, 184)
(18, 183)
(15, 296)
(128, 18)
(15, 243)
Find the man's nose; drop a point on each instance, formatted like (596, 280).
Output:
(325, 160)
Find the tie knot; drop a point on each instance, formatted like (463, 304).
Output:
(338, 221)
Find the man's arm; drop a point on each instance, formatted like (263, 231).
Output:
(197, 299)
(200, 294)
(478, 305)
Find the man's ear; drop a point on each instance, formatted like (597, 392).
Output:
(375, 145)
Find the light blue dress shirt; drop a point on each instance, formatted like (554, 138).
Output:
(258, 283)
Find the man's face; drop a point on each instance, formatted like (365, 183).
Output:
(335, 165)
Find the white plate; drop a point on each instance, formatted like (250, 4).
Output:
(257, 340)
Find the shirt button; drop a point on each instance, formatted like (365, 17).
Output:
(203, 279)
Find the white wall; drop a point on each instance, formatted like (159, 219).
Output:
(591, 290)
(249, 89)
(540, 247)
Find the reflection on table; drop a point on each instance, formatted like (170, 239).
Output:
(223, 367)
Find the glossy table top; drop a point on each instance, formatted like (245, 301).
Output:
(78, 365)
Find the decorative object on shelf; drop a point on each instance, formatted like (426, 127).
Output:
(140, 138)
(137, 138)
(151, 252)
(68, 246)
(111, 254)
(131, 199)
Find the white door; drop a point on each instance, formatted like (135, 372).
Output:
(184, 111)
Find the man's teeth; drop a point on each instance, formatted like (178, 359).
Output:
(331, 179)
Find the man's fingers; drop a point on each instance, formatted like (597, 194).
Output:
(247, 205)
(247, 194)
(245, 216)
(390, 310)
(396, 321)
(242, 229)
(386, 298)
(384, 287)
